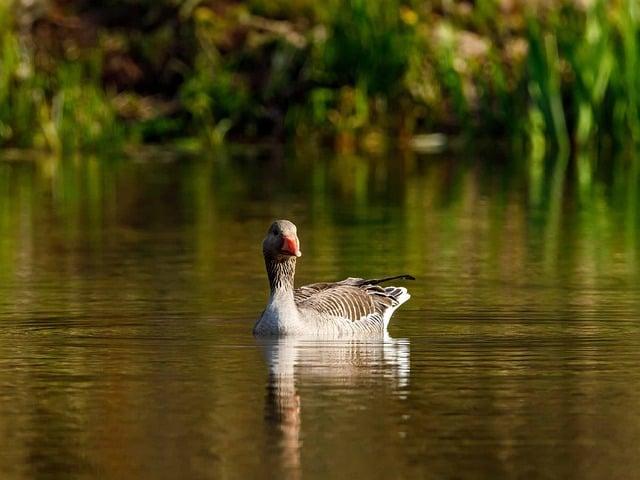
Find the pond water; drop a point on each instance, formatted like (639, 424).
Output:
(129, 287)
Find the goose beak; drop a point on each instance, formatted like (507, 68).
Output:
(290, 246)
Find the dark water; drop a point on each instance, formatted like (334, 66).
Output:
(128, 289)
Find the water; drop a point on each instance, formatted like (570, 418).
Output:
(128, 290)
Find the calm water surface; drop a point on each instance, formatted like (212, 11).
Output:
(129, 287)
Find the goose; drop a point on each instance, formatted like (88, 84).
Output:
(352, 306)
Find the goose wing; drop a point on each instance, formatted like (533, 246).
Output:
(353, 299)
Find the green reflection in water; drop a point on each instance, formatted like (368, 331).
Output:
(473, 220)
(129, 288)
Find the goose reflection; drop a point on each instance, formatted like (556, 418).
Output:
(344, 362)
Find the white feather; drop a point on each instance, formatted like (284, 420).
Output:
(388, 313)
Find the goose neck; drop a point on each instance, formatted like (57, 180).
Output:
(281, 274)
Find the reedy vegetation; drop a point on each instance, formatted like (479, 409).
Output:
(563, 76)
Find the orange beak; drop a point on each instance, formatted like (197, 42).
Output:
(290, 246)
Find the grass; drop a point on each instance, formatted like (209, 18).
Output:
(584, 77)
(66, 109)
(560, 79)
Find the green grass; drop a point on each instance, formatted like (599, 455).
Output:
(67, 110)
(562, 79)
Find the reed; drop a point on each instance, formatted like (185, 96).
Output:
(562, 79)
(583, 76)
(66, 110)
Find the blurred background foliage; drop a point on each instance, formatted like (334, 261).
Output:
(553, 76)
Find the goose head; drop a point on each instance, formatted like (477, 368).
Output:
(282, 240)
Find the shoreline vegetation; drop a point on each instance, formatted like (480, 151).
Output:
(559, 78)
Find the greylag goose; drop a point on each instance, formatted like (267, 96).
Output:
(352, 306)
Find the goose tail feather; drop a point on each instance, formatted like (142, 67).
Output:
(377, 281)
